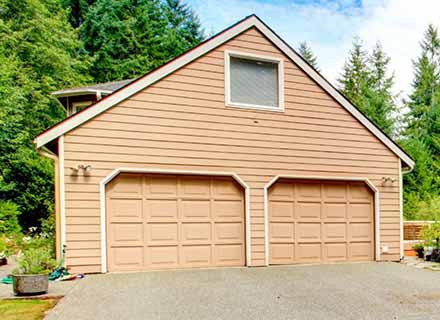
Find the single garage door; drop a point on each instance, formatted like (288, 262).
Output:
(166, 221)
(320, 221)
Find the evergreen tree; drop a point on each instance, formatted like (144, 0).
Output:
(77, 10)
(366, 82)
(39, 53)
(306, 52)
(422, 133)
(128, 38)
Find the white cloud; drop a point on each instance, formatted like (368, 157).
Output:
(329, 27)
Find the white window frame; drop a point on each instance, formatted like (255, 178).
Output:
(255, 57)
(79, 104)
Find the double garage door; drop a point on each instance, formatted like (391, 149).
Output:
(175, 221)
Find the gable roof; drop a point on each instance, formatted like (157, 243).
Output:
(194, 53)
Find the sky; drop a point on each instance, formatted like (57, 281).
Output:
(329, 27)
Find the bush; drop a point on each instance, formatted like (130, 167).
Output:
(9, 213)
(431, 234)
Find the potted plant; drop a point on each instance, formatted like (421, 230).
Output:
(419, 249)
(31, 277)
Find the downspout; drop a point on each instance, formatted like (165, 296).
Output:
(50, 155)
(402, 250)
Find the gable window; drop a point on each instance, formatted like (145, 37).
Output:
(253, 81)
(78, 106)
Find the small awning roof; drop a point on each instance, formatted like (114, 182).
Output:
(104, 88)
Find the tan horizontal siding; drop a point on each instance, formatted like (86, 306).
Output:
(181, 122)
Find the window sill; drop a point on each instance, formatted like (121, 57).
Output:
(254, 107)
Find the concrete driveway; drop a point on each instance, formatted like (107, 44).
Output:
(344, 291)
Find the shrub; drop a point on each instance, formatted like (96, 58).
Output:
(431, 234)
(9, 213)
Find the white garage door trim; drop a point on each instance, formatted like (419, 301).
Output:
(367, 182)
(115, 172)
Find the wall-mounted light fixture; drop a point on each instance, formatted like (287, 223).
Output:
(388, 180)
(85, 168)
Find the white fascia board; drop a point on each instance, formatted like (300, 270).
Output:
(195, 53)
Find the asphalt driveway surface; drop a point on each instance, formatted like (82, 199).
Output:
(343, 291)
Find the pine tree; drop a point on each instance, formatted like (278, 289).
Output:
(78, 10)
(128, 38)
(306, 52)
(422, 133)
(366, 82)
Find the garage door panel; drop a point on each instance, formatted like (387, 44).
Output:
(335, 192)
(196, 233)
(335, 232)
(129, 185)
(127, 258)
(308, 211)
(162, 233)
(229, 255)
(360, 251)
(360, 211)
(126, 210)
(176, 222)
(308, 232)
(162, 185)
(282, 211)
(334, 211)
(196, 256)
(282, 232)
(282, 191)
(335, 251)
(330, 221)
(195, 210)
(308, 191)
(196, 187)
(282, 253)
(225, 188)
(230, 210)
(161, 210)
(126, 234)
(360, 231)
(161, 257)
(308, 252)
(228, 232)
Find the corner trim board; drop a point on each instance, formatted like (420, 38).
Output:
(334, 178)
(62, 195)
(114, 173)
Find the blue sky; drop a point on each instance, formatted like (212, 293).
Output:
(329, 26)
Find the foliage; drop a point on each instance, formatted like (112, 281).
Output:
(39, 53)
(77, 10)
(306, 52)
(128, 38)
(30, 309)
(36, 256)
(422, 131)
(431, 234)
(9, 213)
(366, 82)
(7, 247)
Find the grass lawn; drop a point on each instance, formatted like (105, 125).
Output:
(25, 309)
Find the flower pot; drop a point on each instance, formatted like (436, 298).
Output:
(435, 254)
(3, 261)
(30, 284)
(420, 253)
